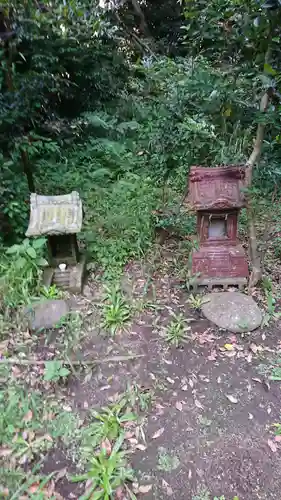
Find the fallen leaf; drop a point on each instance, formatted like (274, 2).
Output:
(119, 493)
(272, 445)
(3, 346)
(179, 405)
(266, 385)
(213, 356)
(255, 379)
(198, 404)
(145, 488)
(133, 441)
(47, 437)
(129, 434)
(34, 488)
(89, 483)
(67, 408)
(170, 380)
(231, 398)
(230, 354)
(60, 474)
(168, 361)
(106, 445)
(16, 371)
(141, 447)
(167, 487)
(228, 347)
(28, 416)
(205, 337)
(191, 383)
(184, 387)
(254, 348)
(250, 416)
(158, 433)
(277, 439)
(189, 474)
(249, 358)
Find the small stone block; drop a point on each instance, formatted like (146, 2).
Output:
(46, 314)
(77, 276)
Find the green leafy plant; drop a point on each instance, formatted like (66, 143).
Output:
(190, 280)
(271, 314)
(138, 396)
(34, 487)
(108, 423)
(167, 461)
(21, 425)
(51, 292)
(275, 370)
(176, 331)
(106, 472)
(196, 301)
(20, 271)
(54, 371)
(116, 312)
(70, 333)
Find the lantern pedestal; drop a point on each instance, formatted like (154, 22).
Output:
(217, 266)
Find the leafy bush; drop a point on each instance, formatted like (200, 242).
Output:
(20, 271)
(118, 222)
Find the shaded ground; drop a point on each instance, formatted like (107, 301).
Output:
(208, 443)
(208, 430)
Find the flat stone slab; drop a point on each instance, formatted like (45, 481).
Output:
(46, 314)
(233, 311)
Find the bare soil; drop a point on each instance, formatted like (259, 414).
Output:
(215, 405)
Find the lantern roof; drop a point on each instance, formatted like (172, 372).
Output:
(217, 188)
(54, 215)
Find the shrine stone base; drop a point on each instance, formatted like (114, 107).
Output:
(71, 279)
(220, 266)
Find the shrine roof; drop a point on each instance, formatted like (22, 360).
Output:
(217, 188)
(50, 215)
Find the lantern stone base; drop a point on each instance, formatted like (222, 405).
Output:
(222, 266)
(71, 279)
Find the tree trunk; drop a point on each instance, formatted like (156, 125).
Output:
(27, 170)
(256, 273)
(143, 24)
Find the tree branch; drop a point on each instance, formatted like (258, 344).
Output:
(132, 35)
(256, 274)
(26, 362)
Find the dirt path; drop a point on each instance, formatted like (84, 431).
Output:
(209, 429)
(205, 410)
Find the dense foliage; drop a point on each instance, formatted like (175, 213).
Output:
(118, 99)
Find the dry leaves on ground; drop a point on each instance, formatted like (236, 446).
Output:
(272, 445)
(231, 398)
(158, 433)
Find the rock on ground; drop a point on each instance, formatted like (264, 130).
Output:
(233, 311)
(46, 314)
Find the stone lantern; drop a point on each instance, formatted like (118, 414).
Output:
(59, 218)
(217, 196)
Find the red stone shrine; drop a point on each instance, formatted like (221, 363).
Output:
(216, 194)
